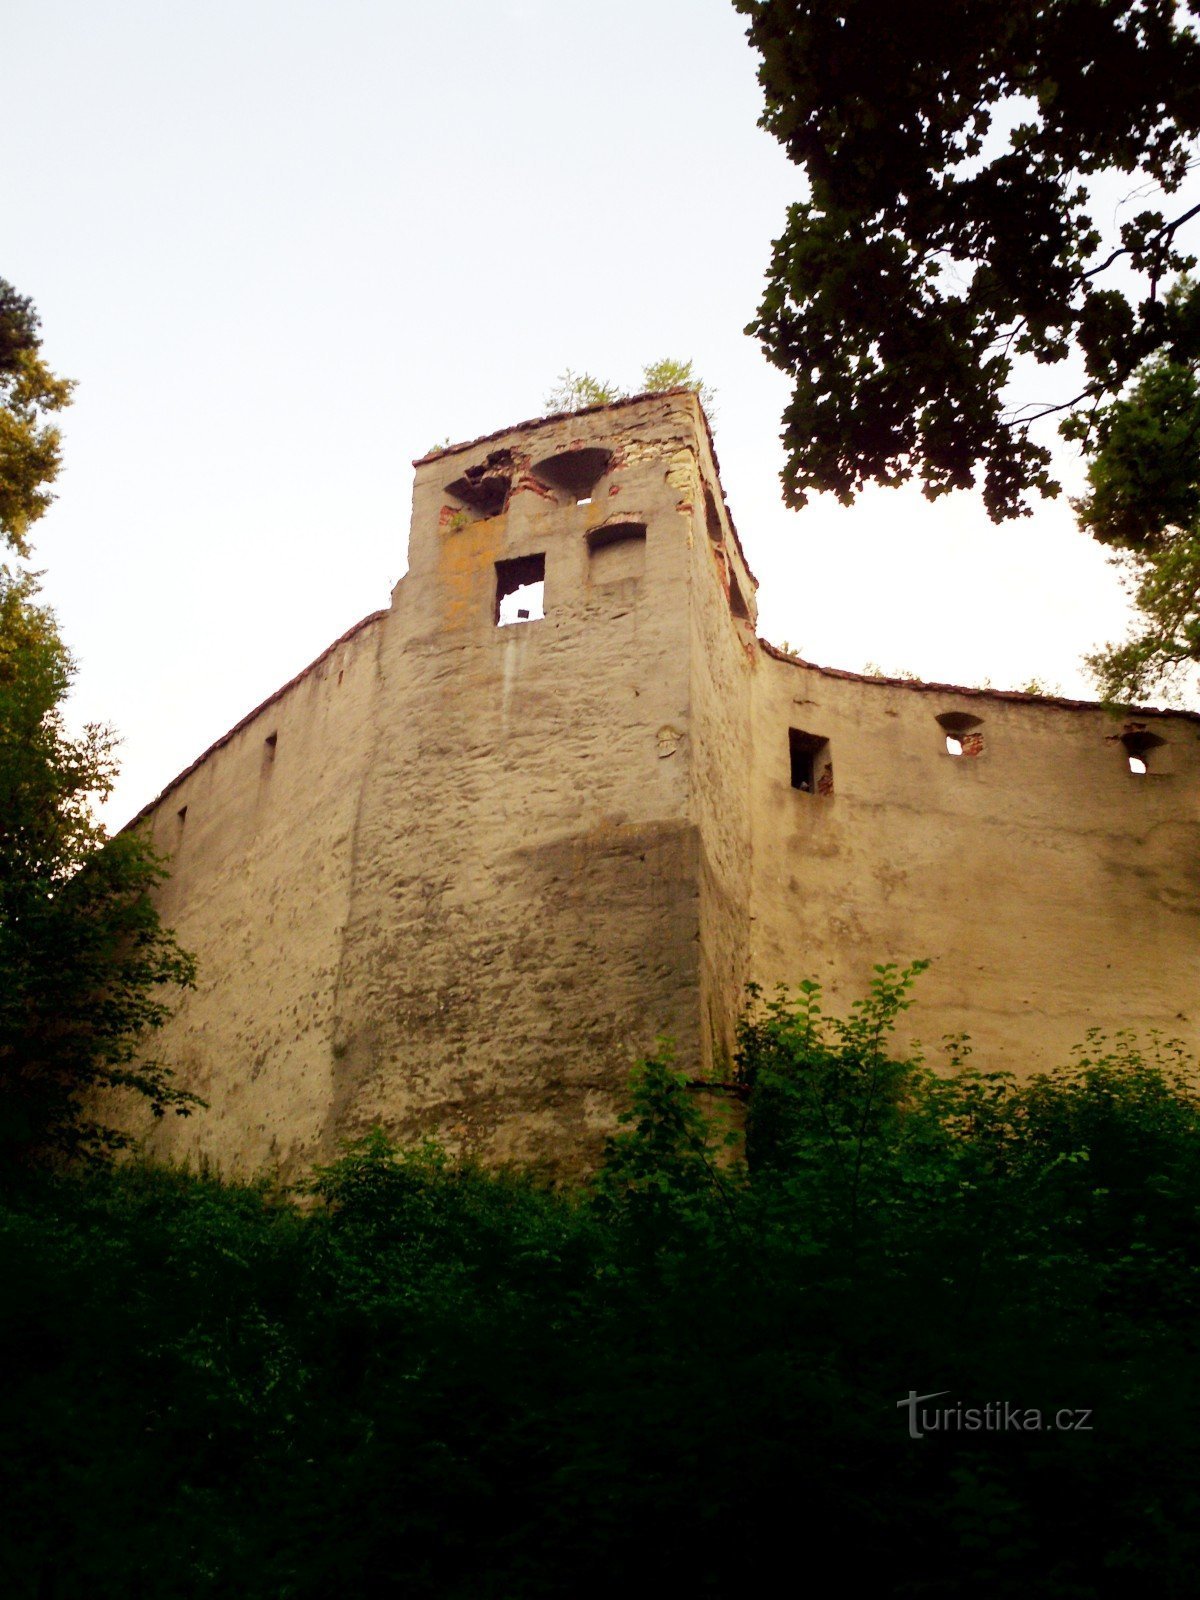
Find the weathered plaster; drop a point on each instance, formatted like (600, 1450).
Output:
(477, 869)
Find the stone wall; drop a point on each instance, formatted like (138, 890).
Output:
(261, 835)
(496, 847)
(525, 913)
(464, 869)
(1052, 888)
(723, 661)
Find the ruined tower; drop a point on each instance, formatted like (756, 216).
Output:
(558, 800)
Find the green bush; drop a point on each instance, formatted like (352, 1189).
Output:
(429, 1379)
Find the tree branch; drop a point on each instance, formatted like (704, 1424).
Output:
(1167, 229)
(1018, 421)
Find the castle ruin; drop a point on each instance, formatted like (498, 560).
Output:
(560, 800)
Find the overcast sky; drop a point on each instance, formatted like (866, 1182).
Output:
(285, 246)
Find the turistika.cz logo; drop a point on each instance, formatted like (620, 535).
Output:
(997, 1416)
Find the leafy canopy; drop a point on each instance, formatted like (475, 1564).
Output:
(1143, 502)
(30, 448)
(949, 228)
(86, 968)
(87, 972)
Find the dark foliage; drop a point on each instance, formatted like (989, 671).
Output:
(19, 324)
(1143, 501)
(949, 228)
(87, 971)
(684, 1379)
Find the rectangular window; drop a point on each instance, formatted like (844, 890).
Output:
(812, 769)
(520, 590)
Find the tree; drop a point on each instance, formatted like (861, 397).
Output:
(573, 391)
(1143, 501)
(951, 227)
(671, 374)
(29, 446)
(576, 390)
(86, 968)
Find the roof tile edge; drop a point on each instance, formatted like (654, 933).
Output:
(1014, 696)
(562, 416)
(343, 638)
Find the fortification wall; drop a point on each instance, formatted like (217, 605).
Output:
(260, 835)
(463, 895)
(1052, 888)
(525, 913)
(464, 870)
(723, 658)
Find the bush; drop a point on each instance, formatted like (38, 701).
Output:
(435, 1380)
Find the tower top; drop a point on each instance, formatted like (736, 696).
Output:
(602, 408)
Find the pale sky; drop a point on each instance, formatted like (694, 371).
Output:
(285, 246)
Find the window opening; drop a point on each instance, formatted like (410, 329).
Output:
(1141, 747)
(812, 769)
(964, 733)
(575, 473)
(484, 489)
(520, 590)
(712, 517)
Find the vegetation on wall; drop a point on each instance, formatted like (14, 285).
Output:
(573, 391)
(436, 1381)
(87, 970)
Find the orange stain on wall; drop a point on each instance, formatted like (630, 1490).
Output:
(466, 561)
